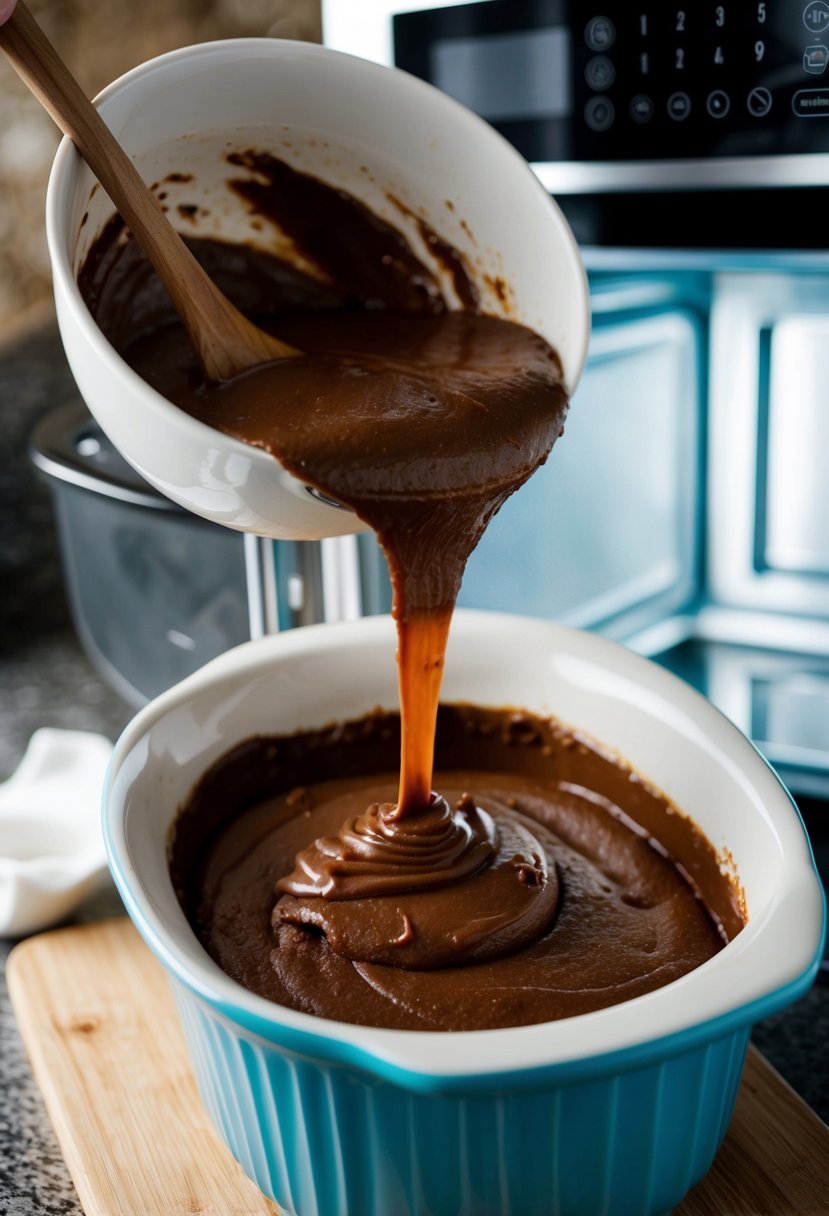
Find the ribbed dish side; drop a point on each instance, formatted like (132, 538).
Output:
(323, 1140)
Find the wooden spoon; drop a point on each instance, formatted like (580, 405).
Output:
(225, 341)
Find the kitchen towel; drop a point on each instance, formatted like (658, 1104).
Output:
(51, 845)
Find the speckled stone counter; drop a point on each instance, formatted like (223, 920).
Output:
(45, 680)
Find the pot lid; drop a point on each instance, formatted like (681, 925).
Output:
(69, 446)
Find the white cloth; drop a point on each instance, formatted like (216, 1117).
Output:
(51, 845)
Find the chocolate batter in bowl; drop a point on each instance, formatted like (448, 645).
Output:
(617, 1110)
(412, 155)
(562, 883)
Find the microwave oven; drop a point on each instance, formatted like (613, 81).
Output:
(686, 512)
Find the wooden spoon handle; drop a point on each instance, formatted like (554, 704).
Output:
(225, 341)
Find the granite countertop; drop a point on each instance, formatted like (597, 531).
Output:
(46, 680)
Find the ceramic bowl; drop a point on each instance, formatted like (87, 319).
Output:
(618, 1111)
(374, 131)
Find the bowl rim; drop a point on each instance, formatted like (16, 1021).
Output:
(628, 1035)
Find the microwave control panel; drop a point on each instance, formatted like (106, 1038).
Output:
(600, 80)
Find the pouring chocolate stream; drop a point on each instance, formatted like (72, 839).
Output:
(341, 898)
(420, 419)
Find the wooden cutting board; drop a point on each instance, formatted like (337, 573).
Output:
(98, 1019)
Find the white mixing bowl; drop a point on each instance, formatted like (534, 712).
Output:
(371, 130)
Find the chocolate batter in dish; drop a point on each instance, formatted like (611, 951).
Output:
(597, 890)
(377, 900)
